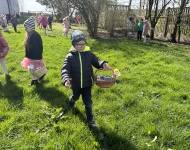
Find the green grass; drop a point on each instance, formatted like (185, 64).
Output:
(147, 109)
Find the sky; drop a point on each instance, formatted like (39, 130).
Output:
(32, 5)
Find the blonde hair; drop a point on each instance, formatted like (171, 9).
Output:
(65, 18)
(27, 38)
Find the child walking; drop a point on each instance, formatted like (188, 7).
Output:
(44, 22)
(33, 50)
(77, 72)
(140, 29)
(145, 29)
(14, 22)
(4, 48)
(67, 25)
(4, 23)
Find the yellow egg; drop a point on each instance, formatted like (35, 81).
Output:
(116, 72)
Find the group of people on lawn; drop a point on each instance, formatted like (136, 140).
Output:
(14, 20)
(77, 71)
(142, 29)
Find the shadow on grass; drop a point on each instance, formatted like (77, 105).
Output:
(12, 92)
(130, 47)
(106, 138)
(51, 36)
(51, 95)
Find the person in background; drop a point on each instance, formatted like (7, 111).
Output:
(44, 22)
(14, 22)
(145, 29)
(67, 25)
(77, 73)
(50, 20)
(78, 18)
(4, 48)
(38, 18)
(4, 23)
(17, 17)
(129, 27)
(33, 50)
(140, 29)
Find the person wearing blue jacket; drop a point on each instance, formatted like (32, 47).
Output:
(77, 73)
(50, 20)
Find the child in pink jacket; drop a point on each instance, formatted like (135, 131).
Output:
(145, 29)
(67, 25)
(44, 23)
(4, 48)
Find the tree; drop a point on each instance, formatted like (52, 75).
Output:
(178, 21)
(59, 7)
(90, 10)
(153, 13)
(130, 2)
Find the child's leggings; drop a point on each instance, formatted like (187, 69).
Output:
(32, 75)
(144, 38)
(2, 61)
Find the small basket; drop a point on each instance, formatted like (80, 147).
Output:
(105, 83)
(40, 72)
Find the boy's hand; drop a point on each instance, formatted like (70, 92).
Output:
(67, 84)
(106, 66)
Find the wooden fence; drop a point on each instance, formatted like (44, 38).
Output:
(165, 25)
(114, 18)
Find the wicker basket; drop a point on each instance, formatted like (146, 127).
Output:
(105, 83)
(40, 72)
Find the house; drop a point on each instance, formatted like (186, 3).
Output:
(9, 7)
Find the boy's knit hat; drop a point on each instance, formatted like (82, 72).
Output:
(77, 36)
(30, 23)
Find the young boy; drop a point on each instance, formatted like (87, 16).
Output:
(4, 48)
(77, 72)
(140, 29)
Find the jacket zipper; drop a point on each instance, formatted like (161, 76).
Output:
(80, 70)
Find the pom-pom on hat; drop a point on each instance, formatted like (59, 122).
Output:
(30, 23)
(77, 36)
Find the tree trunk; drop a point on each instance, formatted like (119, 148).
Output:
(153, 16)
(179, 34)
(130, 2)
(152, 31)
(92, 32)
(173, 35)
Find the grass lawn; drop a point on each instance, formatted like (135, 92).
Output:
(147, 109)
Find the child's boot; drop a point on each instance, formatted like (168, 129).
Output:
(91, 122)
(92, 125)
(34, 82)
(71, 104)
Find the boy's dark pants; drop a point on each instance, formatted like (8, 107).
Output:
(139, 35)
(15, 29)
(86, 97)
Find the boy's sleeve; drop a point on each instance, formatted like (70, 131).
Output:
(96, 62)
(66, 70)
